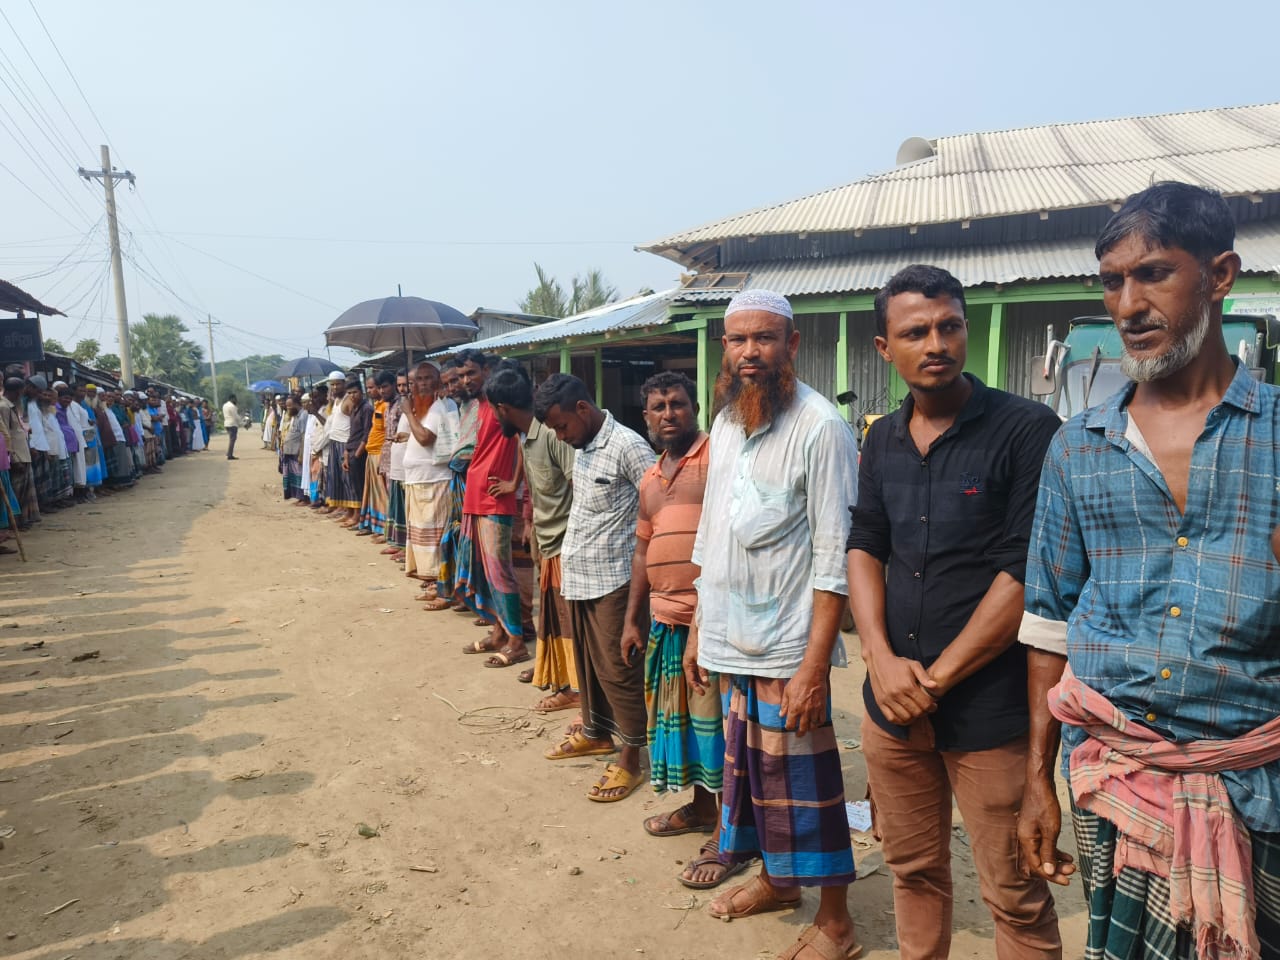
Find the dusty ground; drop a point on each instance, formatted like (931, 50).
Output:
(263, 686)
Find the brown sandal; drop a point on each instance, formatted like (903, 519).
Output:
(709, 855)
(660, 825)
(763, 900)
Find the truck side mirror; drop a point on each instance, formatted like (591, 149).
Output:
(1042, 384)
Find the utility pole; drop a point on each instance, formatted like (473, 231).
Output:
(213, 367)
(109, 178)
(246, 375)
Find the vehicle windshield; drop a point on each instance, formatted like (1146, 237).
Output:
(1075, 378)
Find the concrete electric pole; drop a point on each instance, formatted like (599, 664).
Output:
(213, 367)
(109, 178)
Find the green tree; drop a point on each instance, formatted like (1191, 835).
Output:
(54, 346)
(160, 350)
(86, 351)
(591, 291)
(108, 361)
(547, 299)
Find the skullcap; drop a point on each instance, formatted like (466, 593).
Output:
(765, 300)
(59, 384)
(336, 375)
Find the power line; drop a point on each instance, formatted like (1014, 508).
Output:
(66, 65)
(45, 123)
(29, 190)
(34, 156)
(234, 266)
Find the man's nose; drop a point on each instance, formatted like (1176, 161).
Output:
(1132, 300)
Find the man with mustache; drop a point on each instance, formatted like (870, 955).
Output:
(937, 558)
(771, 595)
(1155, 599)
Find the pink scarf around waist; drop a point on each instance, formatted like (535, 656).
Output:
(1172, 812)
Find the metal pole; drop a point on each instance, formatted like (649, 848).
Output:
(246, 373)
(117, 272)
(213, 367)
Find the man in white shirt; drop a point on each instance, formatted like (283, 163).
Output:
(772, 591)
(231, 421)
(432, 427)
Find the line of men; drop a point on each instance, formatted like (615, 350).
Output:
(1113, 583)
(67, 444)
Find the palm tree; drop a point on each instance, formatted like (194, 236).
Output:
(547, 299)
(590, 292)
(160, 350)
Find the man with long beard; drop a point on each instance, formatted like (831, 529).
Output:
(937, 559)
(686, 727)
(770, 599)
(1155, 594)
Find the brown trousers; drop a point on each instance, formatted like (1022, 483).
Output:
(612, 691)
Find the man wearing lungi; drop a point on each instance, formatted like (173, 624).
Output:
(770, 599)
(937, 559)
(599, 542)
(24, 485)
(1155, 596)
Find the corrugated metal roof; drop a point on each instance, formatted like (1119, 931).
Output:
(1257, 243)
(1235, 150)
(643, 311)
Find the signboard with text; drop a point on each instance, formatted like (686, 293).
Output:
(20, 339)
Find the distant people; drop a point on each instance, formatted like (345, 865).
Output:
(771, 595)
(21, 476)
(231, 421)
(292, 429)
(360, 412)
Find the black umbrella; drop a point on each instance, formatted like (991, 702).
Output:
(306, 367)
(400, 323)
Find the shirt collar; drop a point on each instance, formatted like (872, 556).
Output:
(973, 408)
(691, 452)
(535, 428)
(601, 438)
(1110, 417)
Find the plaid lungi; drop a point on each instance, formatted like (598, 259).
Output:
(396, 532)
(426, 510)
(12, 497)
(340, 490)
(486, 579)
(554, 667)
(686, 728)
(1129, 912)
(452, 530)
(291, 472)
(24, 486)
(373, 502)
(783, 794)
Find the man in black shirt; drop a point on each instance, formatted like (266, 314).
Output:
(937, 556)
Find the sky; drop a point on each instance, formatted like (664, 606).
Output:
(293, 159)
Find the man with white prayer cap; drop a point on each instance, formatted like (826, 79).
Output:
(771, 595)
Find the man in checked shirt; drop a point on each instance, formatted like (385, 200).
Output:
(1153, 601)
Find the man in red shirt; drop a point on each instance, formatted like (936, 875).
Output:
(486, 578)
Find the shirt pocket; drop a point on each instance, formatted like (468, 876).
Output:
(751, 624)
(765, 516)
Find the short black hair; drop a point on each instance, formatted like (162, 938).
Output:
(561, 390)
(448, 363)
(922, 278)
(506, 363)
(402, 372)
(511, 387)
(1173, 215)
(469, 355)
(669, 380)
(385, 378)
(232, 398)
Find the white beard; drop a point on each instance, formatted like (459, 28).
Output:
(1145, 369)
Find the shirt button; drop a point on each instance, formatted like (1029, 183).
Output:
(911, 636)
(1166, 673)
(916, 574)
(924, 519)
(1175, 611)
(1183, 541)
(924, 463)
(1151, 718)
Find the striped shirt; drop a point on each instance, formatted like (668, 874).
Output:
(595, 558)
(668, 523)
(781, 507)
(1173, 617)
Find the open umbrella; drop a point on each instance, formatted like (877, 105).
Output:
(400, 323)
(307, 367)
(262, 386)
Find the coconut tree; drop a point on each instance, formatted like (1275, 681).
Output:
(160, 350)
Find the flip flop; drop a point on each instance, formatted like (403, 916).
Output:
(615, 777)
(818, 942)
(553, 704)
(503, 659)
(710, 854)
(763, 901)
(477, 646)
(525, 676)
(437, 605)
(577, 745)
(663, 828)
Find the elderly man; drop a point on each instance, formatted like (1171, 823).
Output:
(1152, 568)
(429, 426)
(356, 456)
(373, 499)
(599, 542)
(770, 598)
(548, 471)
(24, 486)
(293, 430)
(462, 378)
(946, 493)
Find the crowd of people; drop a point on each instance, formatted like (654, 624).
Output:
(63, 444)
(1114, 581)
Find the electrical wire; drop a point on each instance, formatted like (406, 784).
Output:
(234, 266)
(67, 66)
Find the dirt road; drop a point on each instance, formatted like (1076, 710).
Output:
(262, 686)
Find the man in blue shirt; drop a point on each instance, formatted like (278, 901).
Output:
(1153, 602)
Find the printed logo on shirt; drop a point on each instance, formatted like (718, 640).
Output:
(970, 485)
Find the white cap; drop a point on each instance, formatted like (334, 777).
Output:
(765, 300)
(57, 384)
(335, 375)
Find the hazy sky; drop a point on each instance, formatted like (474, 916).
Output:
(338, 149)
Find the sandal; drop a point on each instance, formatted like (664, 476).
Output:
(577, 745)
(763, 900)
(661, 825)
(503, 659)
(525, 676)
(560, 700)
(615, 778)
(709, 855)
(436, 605)
(820, 944)
(480, 646)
